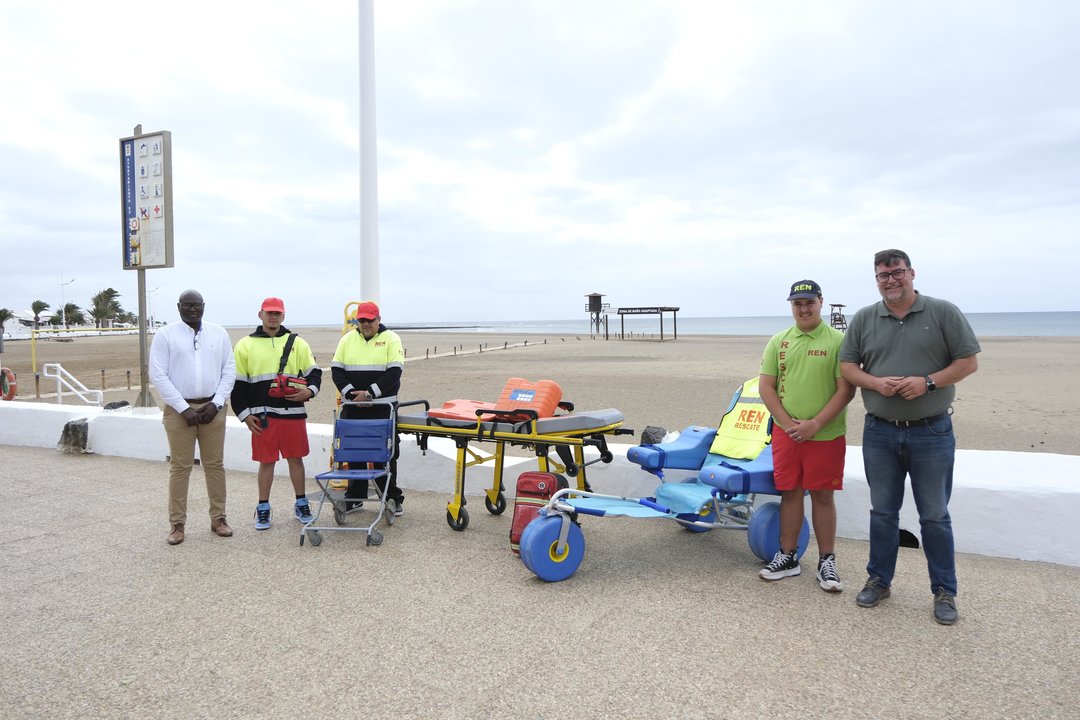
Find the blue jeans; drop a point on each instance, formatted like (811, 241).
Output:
(926, 453)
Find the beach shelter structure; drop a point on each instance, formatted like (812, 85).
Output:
(652, 310)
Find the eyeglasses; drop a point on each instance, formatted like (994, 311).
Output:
(897, 274)
(368, 321)
(190, 306)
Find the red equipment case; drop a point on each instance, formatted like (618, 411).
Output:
(534, 489)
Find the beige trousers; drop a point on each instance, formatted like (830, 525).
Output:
(182, 439)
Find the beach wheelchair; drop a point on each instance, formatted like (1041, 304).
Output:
(729, 467)
(361, 450)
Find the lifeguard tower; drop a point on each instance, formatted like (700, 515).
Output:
(597, 310)
(836, 317)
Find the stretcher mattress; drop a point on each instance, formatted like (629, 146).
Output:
(576, 423)
(541, 397)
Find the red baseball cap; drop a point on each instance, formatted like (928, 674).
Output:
(367, 311)
(272, 304)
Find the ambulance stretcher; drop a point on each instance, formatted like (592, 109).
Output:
(526, 415)
(729, 465)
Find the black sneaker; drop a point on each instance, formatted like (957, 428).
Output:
(827, 576)
(399, 509)
(873, 592)
(945, 608)
(782, 565)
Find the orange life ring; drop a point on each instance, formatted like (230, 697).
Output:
(7, 384)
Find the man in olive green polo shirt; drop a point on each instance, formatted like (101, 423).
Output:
(907, 353)
(802, 387)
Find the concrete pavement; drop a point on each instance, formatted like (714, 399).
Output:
(101, 619)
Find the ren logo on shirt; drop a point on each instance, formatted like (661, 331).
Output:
(810, 352)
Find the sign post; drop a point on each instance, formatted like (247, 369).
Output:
(146, 222)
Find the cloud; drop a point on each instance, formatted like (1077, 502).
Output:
(703, 155)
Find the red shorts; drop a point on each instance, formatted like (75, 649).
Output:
(280, 439)
(812, 465)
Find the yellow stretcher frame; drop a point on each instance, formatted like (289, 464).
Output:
(568, 444)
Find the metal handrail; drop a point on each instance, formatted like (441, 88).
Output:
(64, 379)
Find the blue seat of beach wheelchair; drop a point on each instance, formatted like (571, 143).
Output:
(686, 452)
(684, 497)
(739, 477)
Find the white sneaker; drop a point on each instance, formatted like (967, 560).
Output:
(827, 577)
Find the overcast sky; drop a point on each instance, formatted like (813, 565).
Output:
(695, 154)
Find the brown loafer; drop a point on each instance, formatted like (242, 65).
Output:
(221, 528)
(177, 535)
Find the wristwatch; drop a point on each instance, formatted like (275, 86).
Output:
(930, 385)
(219, 406)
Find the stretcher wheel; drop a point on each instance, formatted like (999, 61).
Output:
(374, 538)
(339, 516)
(314, 536)
(462, 521)
(500, 504)
(538, 548)
(606, 457)
(763, 533)
(709, 517)
(391, 507)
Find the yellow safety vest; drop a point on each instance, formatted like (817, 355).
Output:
(746, 428)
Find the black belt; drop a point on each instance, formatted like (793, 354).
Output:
(196, 401)
(911, 423)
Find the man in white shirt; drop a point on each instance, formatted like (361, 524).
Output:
(191, 365)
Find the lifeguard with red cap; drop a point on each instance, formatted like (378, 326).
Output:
(367, 366)
(276, 373)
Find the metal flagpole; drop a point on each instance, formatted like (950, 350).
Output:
(369, 190)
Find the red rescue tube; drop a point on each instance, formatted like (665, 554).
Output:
(7, 383)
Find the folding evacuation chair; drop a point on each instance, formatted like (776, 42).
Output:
(359, 444)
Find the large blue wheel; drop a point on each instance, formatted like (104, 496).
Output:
(763, 534)
(539, 543)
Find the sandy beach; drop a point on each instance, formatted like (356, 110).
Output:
(1023, 398)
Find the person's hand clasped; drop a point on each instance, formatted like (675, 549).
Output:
(910, 388)
(889, 386)
(802, 430)
(191, 417)
(206, 413)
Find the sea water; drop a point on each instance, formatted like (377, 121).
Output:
(1020, 324)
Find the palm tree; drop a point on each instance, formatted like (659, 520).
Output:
(5, 315)
(105, 306)
(38, 306)
(72, 315)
